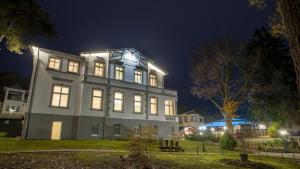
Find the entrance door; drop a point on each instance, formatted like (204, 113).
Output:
(56, 130)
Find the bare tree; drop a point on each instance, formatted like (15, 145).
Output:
(286, 21)
(222, 74)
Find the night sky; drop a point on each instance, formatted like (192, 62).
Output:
(167, 31)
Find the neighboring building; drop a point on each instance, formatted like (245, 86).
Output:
(13, 107)
(190, 121)
(97, 95)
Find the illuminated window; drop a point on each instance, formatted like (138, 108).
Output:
(153, 105)
(138, 76)
(118, 101)
(97, 99)
(137, 104)
(117, 129)
(119, 73)
(169, 107)
(60, 96)
(99, 69)
(73, 67)
(153, 79)
(54, 63)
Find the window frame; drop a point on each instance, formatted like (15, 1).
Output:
(141, 76)
(92, 99)
(170, 106)
(52, 94)
(99, 62)
(75, 61)
(141, 112)
(115, 72)
(119, 131)
(153, 97)
(152, 73)
(60, 63)
(119, 111)
(95, 134)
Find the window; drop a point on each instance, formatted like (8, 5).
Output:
(118, 101)
(97, 98)
(153, 79)
(169, 108)
(73, 67)
(153, 105)
(99, 69)
(117, 129)
(155, 130)
(138, 129)
(119, 73)
(54, 63)
(95, 129)
(137, 103)
(138, 76)
(60, 96)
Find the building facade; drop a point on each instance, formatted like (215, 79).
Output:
(101, 94)
(190, 121)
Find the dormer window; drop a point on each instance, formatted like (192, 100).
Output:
(54, 63)
(138, 76)
(73, 66)
(153, 79)
(119, 72)
(99, 69)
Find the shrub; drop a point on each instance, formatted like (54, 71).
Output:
(206, 137)
(227, 142)
(273, 129)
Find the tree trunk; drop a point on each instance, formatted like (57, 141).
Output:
(229, 125)
(290, 12)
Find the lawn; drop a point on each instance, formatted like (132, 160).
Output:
(189, 159)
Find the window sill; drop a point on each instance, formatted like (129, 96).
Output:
(153, 114)
(115, 111)
(137, 112)
(59, 107)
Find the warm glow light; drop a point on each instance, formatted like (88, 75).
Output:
(212, 129)
(35, 50)
(225, 128)
(222, 132)
(201, 133)
(283, 132)
(96, 54)
(262, 127)
(151, 66)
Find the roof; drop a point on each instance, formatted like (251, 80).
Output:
(190, 113)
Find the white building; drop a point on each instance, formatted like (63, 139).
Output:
(97, 95)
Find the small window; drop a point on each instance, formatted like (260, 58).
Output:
(153, 105)
(138, 130)
(97, 99)
(155, 129)
(73, 66)
(95, 129)
(119, 72)
(138, 76)
(60, 96)
(170, 108)
(153, 79)
(54, 63)
(99, 69)
(118, 102)
(137, 103)
(117, 129)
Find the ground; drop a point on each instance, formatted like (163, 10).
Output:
(89, 154)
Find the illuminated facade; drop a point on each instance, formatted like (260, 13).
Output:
(101, 94)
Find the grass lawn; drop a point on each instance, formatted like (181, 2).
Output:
(189, 159)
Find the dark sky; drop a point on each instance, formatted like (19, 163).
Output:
(167, 31)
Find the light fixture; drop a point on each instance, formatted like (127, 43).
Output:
(283, 132)
(212, 129)
(224, 128)
(262, 126)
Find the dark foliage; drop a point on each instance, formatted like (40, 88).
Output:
(247, 164)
